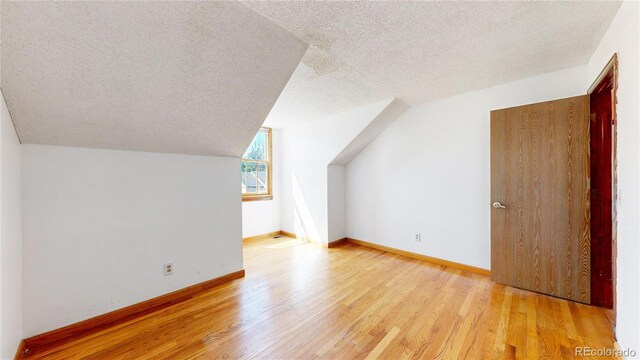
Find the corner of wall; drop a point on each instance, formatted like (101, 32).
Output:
(10, 236)
(336, 206)
(310, 176)
(263, 217)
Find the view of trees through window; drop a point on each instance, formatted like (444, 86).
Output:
(256, 165)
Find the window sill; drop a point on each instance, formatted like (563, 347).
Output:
(256, 197)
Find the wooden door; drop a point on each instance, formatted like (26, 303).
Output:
(540, 238)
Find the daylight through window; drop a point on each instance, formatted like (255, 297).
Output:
(256, 168)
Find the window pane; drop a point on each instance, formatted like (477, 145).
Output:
(258, 148)
(262, 178)
(255, 165)
(255, 177)
(249, 178)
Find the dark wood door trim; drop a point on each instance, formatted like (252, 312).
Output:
(603, 184)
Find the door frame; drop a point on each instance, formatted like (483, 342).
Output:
(611, 68)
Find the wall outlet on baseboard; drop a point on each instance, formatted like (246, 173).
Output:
(418, 237)
(168, 269)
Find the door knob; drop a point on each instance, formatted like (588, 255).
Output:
(497, 205)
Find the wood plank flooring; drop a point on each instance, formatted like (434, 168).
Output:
(300, 301)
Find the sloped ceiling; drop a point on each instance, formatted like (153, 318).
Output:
(375, 127)
(177, 77)
(362, 52)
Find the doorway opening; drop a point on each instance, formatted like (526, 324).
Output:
(602, 95)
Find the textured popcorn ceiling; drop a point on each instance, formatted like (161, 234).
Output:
(178, 77)
(419, 51)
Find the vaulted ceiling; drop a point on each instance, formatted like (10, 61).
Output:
(362, 51)
(201, 77)
(177, 77)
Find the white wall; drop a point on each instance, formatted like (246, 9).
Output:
(262, 217)
(307, 150)
(99, 224)
(10, 237)
(622, 37)
(336, 205)
(429, 172)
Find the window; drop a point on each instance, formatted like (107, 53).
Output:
(256, 168)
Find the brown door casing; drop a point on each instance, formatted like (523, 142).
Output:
(602, 151)
(540, 240)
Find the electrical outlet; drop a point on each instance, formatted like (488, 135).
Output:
(168, 269)
(418, 237)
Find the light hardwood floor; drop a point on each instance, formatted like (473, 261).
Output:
(300, 301)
